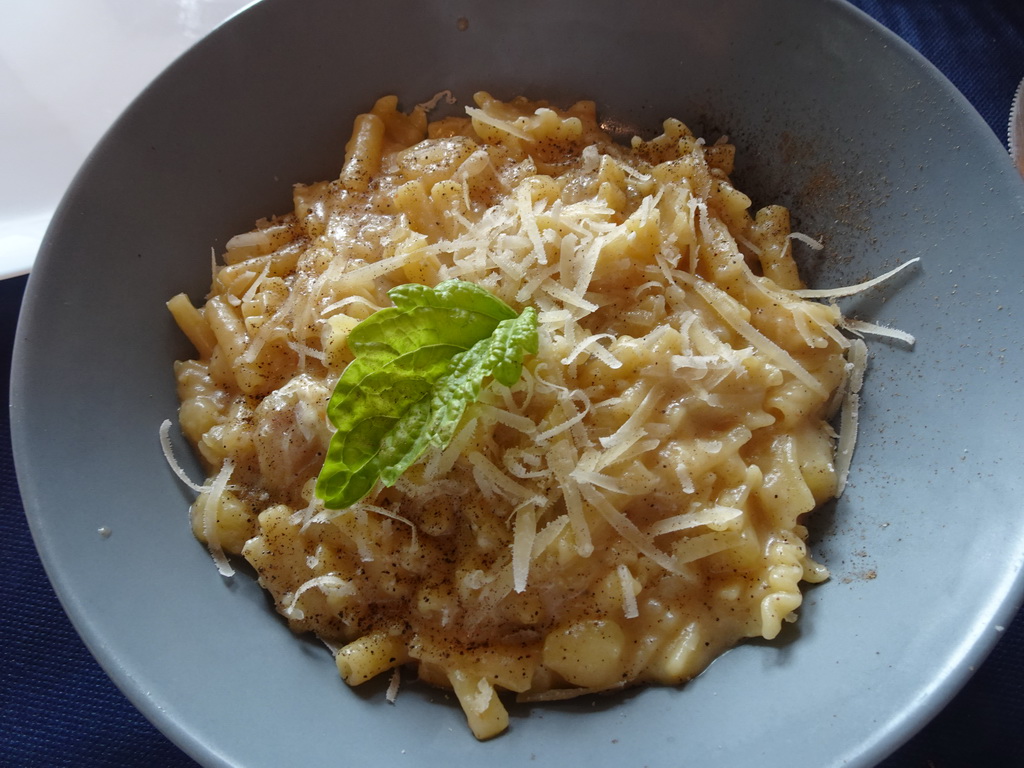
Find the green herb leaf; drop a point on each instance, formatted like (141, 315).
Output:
(418, 365)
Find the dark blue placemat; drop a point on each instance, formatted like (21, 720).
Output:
(58, 708)
(977, 44)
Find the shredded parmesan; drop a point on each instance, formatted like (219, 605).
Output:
(816, 245)
(629, 605)
(849, 416)
(329, 583)
(522, 545)
(502, 125)
(447, 96)
(850, 290)
(208, 504)
(172, 462)
(715, 516)
(864, 328)
(396, 680)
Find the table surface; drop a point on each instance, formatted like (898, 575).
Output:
(58, 708)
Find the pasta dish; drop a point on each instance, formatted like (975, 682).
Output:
(620, 509)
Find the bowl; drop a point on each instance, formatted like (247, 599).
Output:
(873, 152)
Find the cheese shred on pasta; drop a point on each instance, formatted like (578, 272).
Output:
(625, 512)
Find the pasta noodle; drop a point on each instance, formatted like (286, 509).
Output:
(625, 512)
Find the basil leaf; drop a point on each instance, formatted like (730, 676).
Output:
(418, 365)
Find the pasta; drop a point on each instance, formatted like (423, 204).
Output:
(627, 510)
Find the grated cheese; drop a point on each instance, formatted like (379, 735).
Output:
(172, 462)
(329, 583)
(502, 125)
(849, 416)
(208, 504)
(396, 680)
(850, 290)
(716, 516)
(590, 345)
(816, 245)
(522, 544)
(864, 328)
(630, 609)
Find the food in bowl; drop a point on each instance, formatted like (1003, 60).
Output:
(615, 500)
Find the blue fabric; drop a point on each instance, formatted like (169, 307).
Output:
(977, 44)
(58, 708)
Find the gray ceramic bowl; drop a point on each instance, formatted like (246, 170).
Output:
(833, 116)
